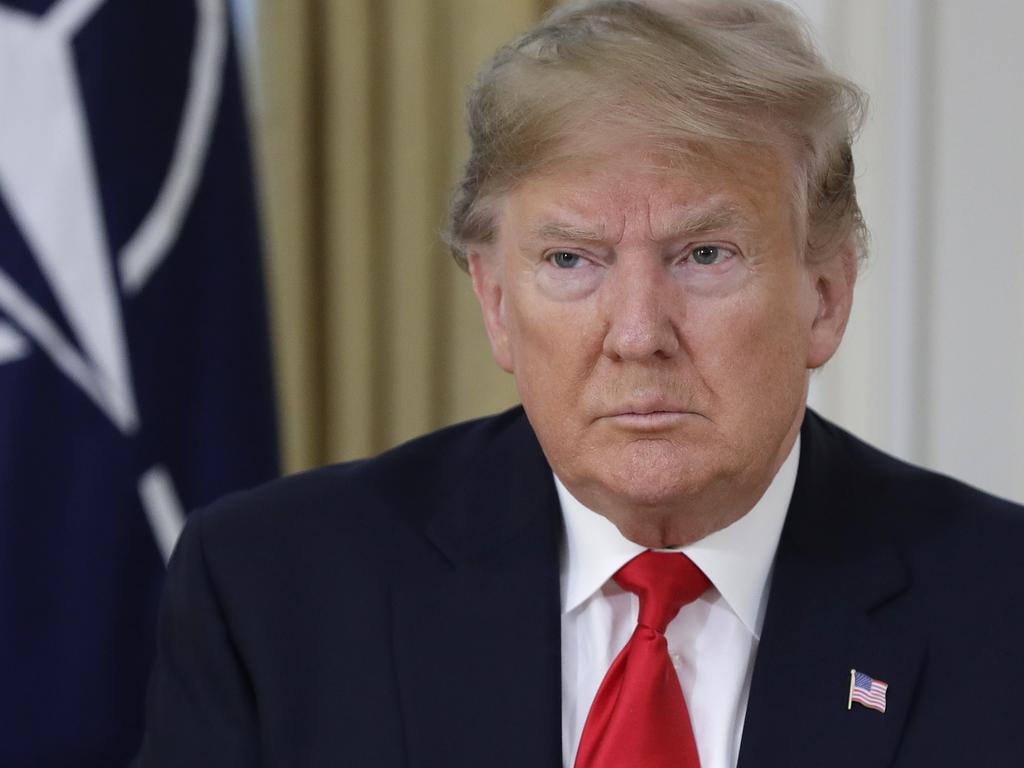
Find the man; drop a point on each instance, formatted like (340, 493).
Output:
(660, 222)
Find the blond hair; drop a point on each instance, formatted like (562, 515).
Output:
(673, 73)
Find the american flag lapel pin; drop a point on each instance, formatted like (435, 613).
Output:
(866, 691)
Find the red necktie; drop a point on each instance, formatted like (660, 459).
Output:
(639, 716)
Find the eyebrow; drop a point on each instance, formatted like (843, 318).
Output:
(554, 230)
(702, 222)
(696, 223)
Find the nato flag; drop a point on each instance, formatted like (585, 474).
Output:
(134, 365)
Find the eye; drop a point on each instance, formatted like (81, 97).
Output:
(565, 259)
(708, 255)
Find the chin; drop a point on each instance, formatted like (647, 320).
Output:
(660, 475)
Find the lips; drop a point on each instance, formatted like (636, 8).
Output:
(648, 407)
(643, 410)
(648, 414)
(651, 421)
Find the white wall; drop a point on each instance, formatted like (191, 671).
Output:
(932, 368)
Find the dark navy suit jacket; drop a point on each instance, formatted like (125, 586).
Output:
(404, 611)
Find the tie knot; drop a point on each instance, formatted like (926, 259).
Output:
(664, 582)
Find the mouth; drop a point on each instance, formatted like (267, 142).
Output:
(650, 416)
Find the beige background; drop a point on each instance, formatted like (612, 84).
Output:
(359, 118)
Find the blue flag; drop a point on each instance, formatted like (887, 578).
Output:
(134, 367)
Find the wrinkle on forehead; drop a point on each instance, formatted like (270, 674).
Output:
(704, 219)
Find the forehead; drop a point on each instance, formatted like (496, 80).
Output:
(599, 196)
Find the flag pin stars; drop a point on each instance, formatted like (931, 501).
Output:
(866, 691)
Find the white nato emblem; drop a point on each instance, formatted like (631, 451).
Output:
(49, 185)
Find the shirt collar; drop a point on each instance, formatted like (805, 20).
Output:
(737, 559)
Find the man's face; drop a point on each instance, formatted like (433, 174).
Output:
(660, 323)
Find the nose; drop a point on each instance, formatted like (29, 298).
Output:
(642, 307)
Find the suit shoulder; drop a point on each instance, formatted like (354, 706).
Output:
(909, 495)
(400, 487)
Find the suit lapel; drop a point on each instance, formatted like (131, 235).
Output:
(834, 605)
(477, 643)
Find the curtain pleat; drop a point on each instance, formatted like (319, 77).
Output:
(377, 335)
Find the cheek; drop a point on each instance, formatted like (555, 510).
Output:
(750, 344)
(550, 329)
(556, 348)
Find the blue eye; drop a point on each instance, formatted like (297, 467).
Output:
(565, 260)
(707, 255)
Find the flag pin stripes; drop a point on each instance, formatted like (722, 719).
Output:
(866, 691)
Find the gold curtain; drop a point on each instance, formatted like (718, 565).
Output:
(377, 335)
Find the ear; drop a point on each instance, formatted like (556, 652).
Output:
(833, 281)
(486, 269)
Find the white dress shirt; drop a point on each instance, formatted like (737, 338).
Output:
(712, 642)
